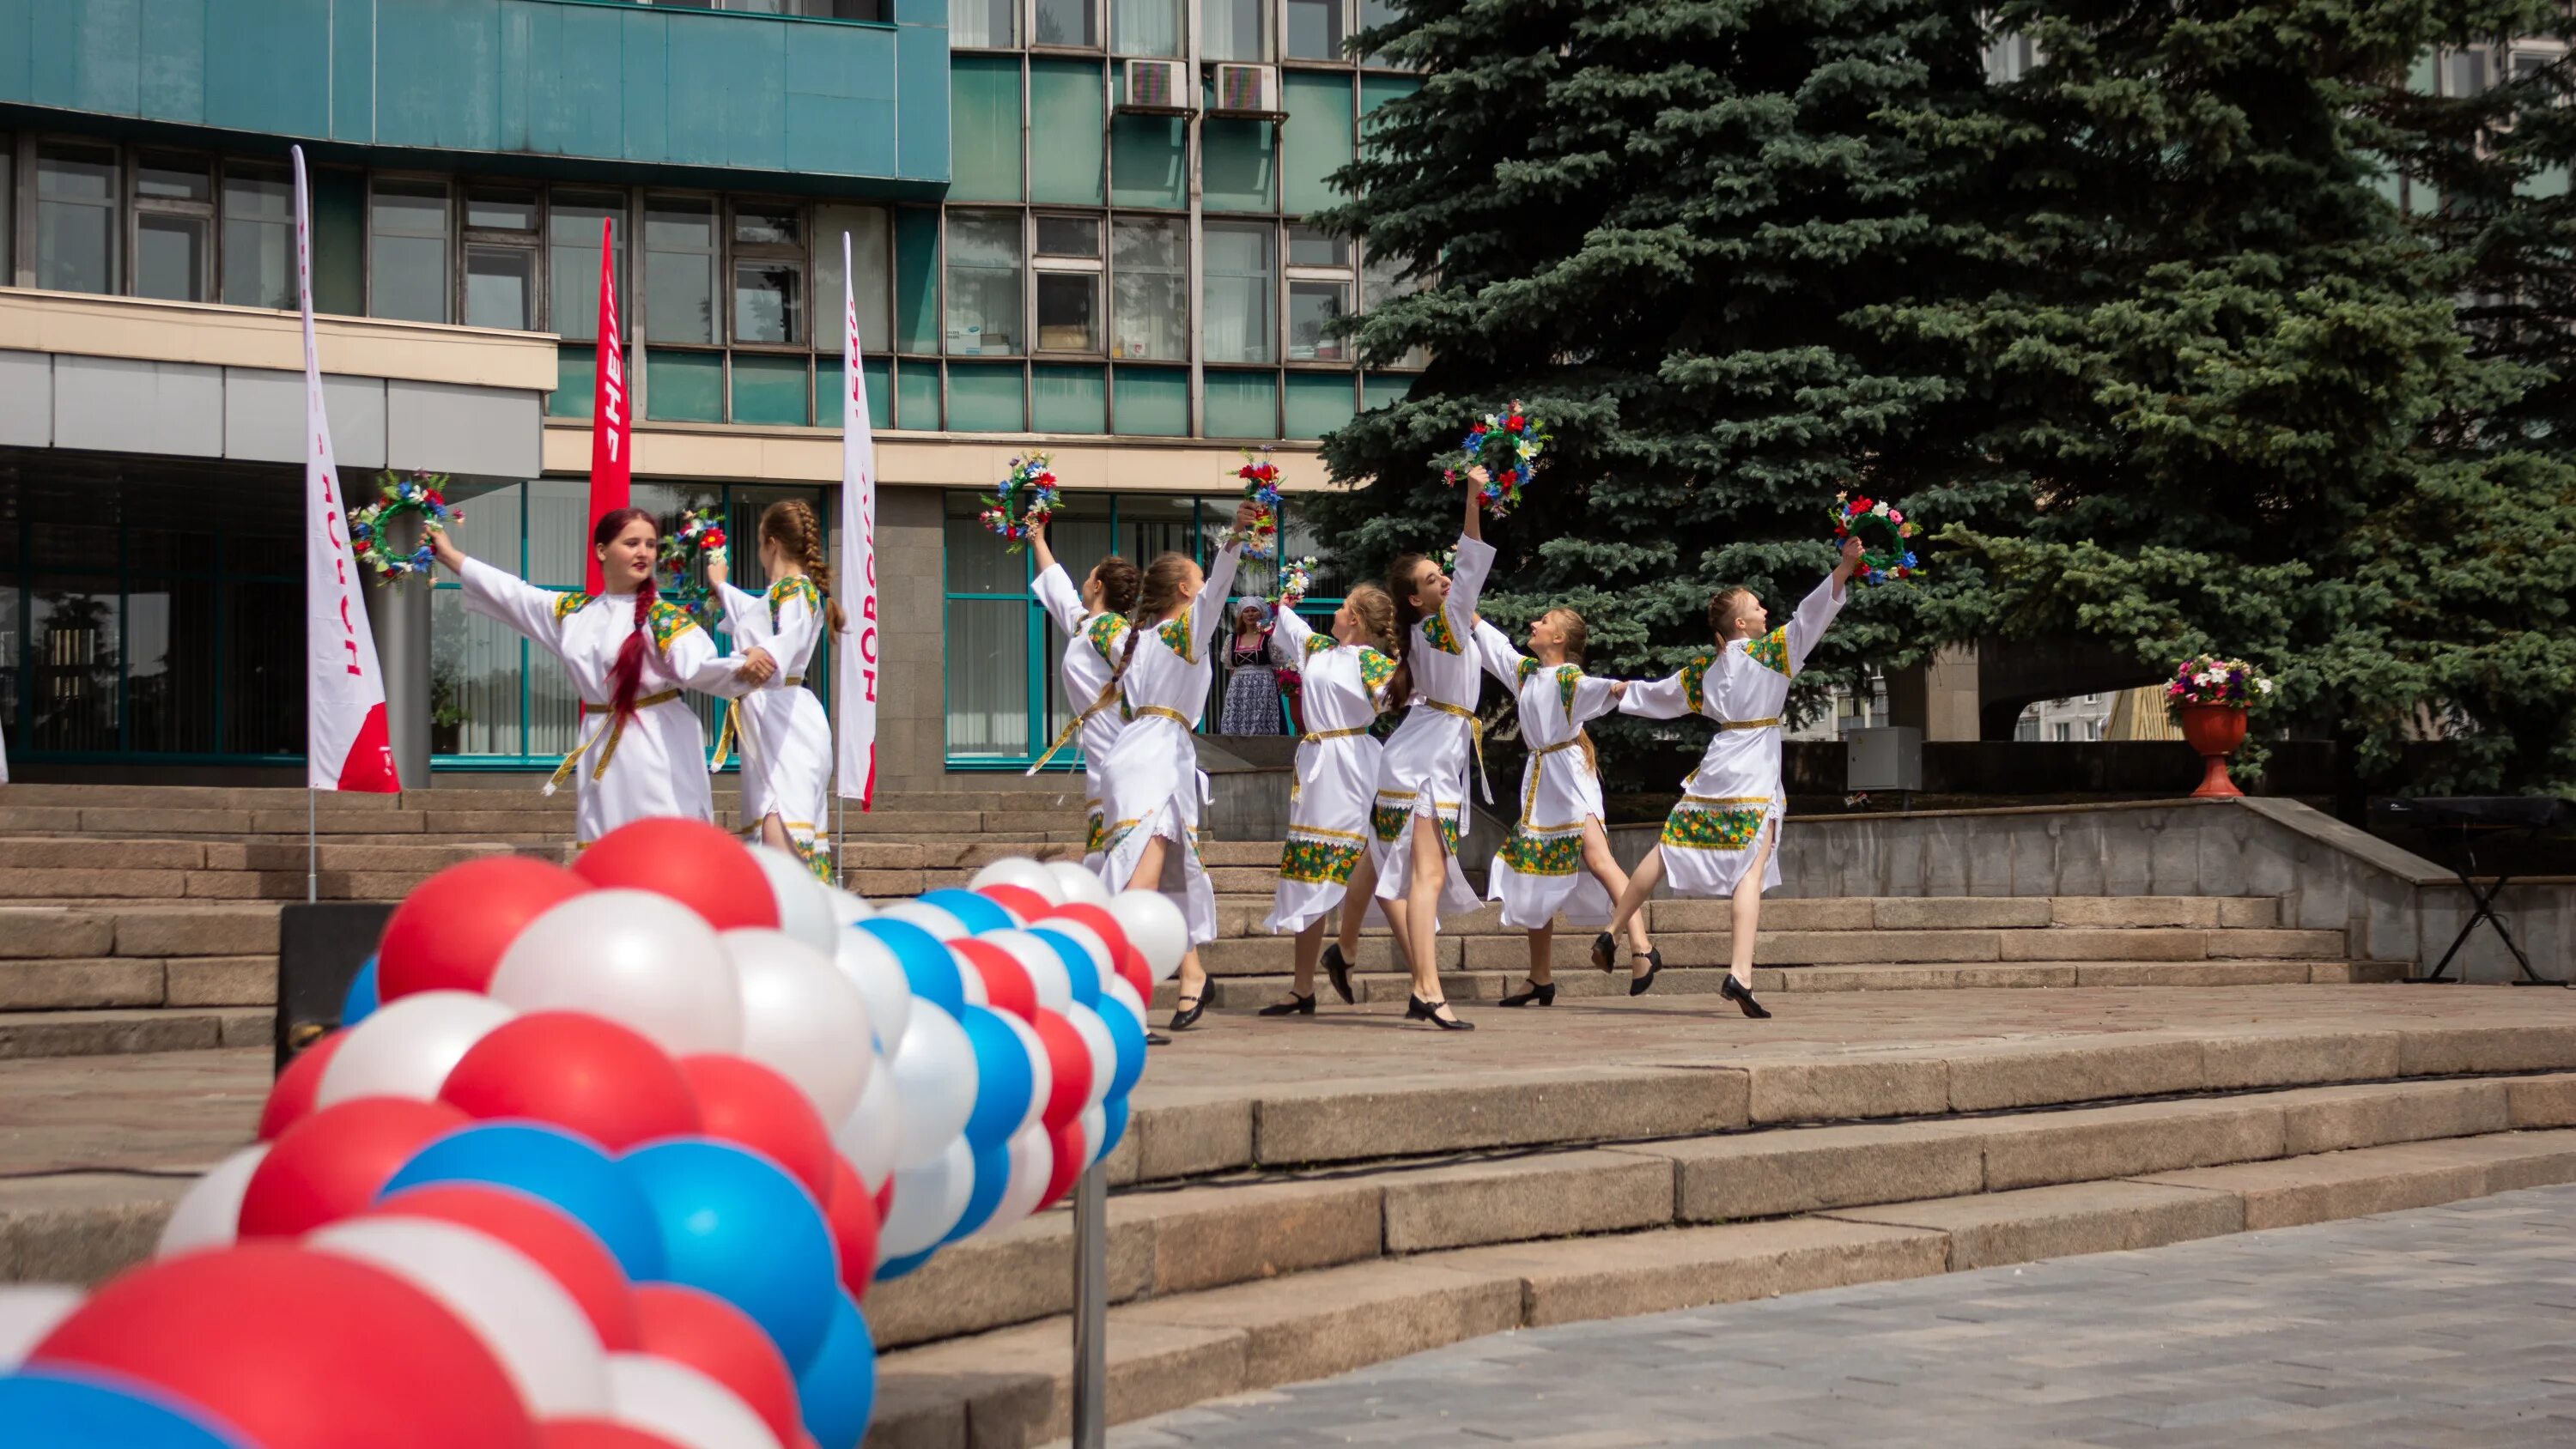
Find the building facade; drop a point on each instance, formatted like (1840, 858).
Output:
(1074, 224)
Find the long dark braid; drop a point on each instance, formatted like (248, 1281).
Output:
(626, 676)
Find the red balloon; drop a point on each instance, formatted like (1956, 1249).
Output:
(290, 1097)
(1020, 901)
(1006, 982)
(550, 1237)
(1069, 1155)
(584, 1073)
(597, 1434)
(1131, 962)
(449, 933)
(744, 1102)
(298, 1350)
(690, 861)
(852, 1216)
(695, 1328)
(885, 1198)
(331, 1165)
(1071, 1062)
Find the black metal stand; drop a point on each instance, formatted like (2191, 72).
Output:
(2482, 908)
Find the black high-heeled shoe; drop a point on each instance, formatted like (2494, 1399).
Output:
(1295, 1005)
(1543, 995)
(1604, 953)
(1190, 1008)
(1742, 996)
(1640, 985)
(1337, 969)
(1417, 1009)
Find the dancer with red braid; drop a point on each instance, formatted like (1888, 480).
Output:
(630, 655)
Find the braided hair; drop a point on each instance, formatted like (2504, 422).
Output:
(1400, 577)
(626, 676)
(1158, 591)
(790, 523)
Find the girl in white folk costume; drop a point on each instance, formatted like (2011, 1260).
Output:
(1151, 777)
(1094, 621)
(1557, 859)
(1347, 675)
(630, 655)
(786, 738)
(1722, 837)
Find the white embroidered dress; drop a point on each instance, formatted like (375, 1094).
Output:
(1090, 655)
(655, 761)
(1734, 796)
(1337, 766)
(786, 739)
(1423, 773)
(1539, 872)
(1151, 781)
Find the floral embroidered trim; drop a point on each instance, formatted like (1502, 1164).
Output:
(1437, 633)
(1533, 855)
(1176, 636)
(1318, 643)
(1688, 828)
(1567, 677)
(1095, 833)
(1771, 651)
(1388, 821)
(1375, 669)
(668, 621)
(567, 605)
(1318, 862)
(1103, 632)
(795, 586)
(1695, 683)
(1528, 667)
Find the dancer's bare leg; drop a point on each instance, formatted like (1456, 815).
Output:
(773, 831)
(1542, 943)
(1422, 906)
(1355, 902)
(1310, 949)
(1605, 868)
(1746, 918)
(1623, 915)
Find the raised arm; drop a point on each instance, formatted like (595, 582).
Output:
(1475, 564)
(1494, 649)
(693, 661)
(1210, 604)
(1288, 636)
(523, 606)
(1593, 697)
(1816, 611)
(1062, 601)
(1665, 698)
(746, 616)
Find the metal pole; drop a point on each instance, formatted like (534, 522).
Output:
(312, 852)
(1091, 1309)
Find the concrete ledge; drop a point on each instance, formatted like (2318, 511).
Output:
(1556, 1195)
(1772, 1174)
(1329, 1322)
(1618, 1277)
(2055, 1222)
(1331, 1123)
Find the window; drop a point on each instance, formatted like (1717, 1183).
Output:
(2468, 72)
(816, 9)
(679, 269)
(1314, 29)
(1319, 294)
(1150, 261)
(1145, 27)
(869, 229)
(2010, 58)
(501, 257)
(174, 224)
(572, 261)
(1068, 283)
(1374, 13)
(1382, 280)
(407, 251)
(1242, 287)
(2065, 731)
(76, 218)
(983, 24)
(983, 283)
(1234, 29)
(259, 236)
(768, 272)
(1066, 22)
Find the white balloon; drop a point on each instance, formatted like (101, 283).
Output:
(1095, 1133)
(407, 1048)
(1156, 928)
(847, 908)
(928, 1201)
(665, 1397)
(538, 1333)
(29, 1311)
(1102, 1046)
(1046, 969)
(1019, 870)
(639, 959)
(1032, 1161)
(871, 966)
(929, 918)
(934, 1068)
(804, 912)
(1080, 886)
(801, 1018)
(871, 1137)
(208, 1215)
(1102, 962)
(1041, 1069)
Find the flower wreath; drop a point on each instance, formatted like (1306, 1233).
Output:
(1882, 532)
(1025, 499)
(686, 539)
(1296, 577)
(422, 494)
(1506, 445)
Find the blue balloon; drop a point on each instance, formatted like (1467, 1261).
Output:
(977, 914)
(361, 1001)
(1077, 964)
(1115, 1110)
(927, 966)
(556, 1166)
(992, 1174)
(893, 1268)
(838, 1389)
(735, 1224)
(52, 1409)
(1128, 1035)
(1004, 1077)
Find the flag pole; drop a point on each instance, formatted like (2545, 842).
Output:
(312, 851)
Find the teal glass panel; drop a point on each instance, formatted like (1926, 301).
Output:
(1242, 405)
(1318, 402)
(1318, 141)
(1238, 157)
(1153, 402)
(575, 372)
(1064, 132)
(1148, 162)
(827, 391)
(1376, 90)
(1379, 389)
(683, 387)
(916, 280)
(984, 128)
(916, 396)
(1070, 399)
(771, 390)
(340, 242)
(983, 398)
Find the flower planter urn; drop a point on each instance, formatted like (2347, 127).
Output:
(2215, 730)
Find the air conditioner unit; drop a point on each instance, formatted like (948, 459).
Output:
(1247, 90)
(1160, 87)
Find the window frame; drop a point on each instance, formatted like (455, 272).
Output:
(1344, 11)
(798, 254)
(1095, 267)
(1020, 314)
(245, 169)
(1181, 270)
(1099, 21)
(531, 241)
(32, 159)
(206, 212)
(447, 238)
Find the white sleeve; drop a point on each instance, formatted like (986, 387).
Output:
(1467, 580)
(1063, 602)
(1210, 605)
(1494, 646)
(1591, 700)
(1666, 698)
(692, 659)
(1288, 636)
(1815, 613)
(799, 623)
(743, 613)
(514, 601)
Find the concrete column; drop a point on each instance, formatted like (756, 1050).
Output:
(1938, 696)
(398, 617)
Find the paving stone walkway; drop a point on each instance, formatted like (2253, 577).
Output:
(2442, 1326)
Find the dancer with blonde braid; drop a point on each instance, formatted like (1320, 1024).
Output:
(786, 737)
(1094, 622)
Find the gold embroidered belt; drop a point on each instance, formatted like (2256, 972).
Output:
(1316, 737)
(1529, 796)
(1748, 724)
(1475, 740)
(731, 730)
(1165, 712)
(1065, 736)
(614, 727)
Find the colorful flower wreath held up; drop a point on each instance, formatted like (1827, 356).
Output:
(1507, 446)
(1025, 499)
(1296, 578)
(422, 495)
(686, 540)
(2208, 679)
(1883, 532)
